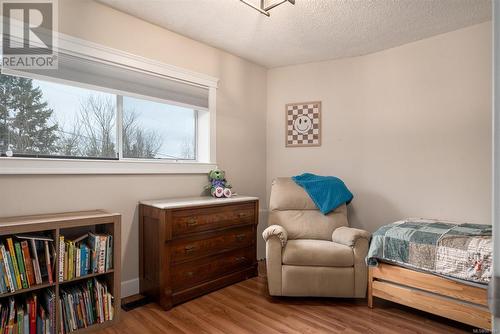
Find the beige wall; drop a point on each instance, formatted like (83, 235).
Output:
(241, 105)
(408, 129)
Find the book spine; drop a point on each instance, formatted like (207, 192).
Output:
(28, 265)
(105, 304)
(3, 325)
(87, 260)
(47, 261)
(55, 273)
(110, 306)
(32, 316)
(39, 327)
(109, 253)
(93, 252)
(70, 260)
(26, 322)
(69, 321)
(20, 262)
(12, 252)
(88, 310)
(79, 310)
(53, 313)
(20, 320)
(7, 269)
(49, 307)
(83, 308)
(99, 303)
(36, 264)
(66, 262)
(82, 260)
(102, 253)
(5, 318)
(78, 262)
(61, 258)
(72, 311)
(3, 283)
(12, 315)
(3, 286)
(12, 273)
(61, 316)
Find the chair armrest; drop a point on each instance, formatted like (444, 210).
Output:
(276, 231)
(348, 235)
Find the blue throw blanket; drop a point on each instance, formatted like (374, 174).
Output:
(327, 192)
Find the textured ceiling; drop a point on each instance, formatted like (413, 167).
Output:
(312, 30)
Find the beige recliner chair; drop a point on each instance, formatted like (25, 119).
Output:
(311, 254)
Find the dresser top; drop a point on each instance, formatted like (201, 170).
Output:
(172, 203)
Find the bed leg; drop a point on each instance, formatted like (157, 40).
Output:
(370, 296)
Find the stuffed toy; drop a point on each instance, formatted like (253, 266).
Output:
(218, 186)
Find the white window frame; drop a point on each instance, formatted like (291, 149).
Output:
(205, 123)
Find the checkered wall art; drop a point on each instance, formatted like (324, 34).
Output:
(303, 124)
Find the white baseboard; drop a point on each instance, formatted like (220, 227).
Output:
(130, 287)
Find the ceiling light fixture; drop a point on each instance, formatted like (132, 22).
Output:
(263, 9)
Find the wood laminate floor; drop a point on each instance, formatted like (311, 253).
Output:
(246, 307)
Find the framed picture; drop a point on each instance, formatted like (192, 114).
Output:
(303, 124)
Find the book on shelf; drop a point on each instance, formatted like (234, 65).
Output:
(30, 314)
(25, 262)
(3, 276)
(47, 261)
(87, 254)
(8, 268)
(9, 282)
(60, 259)
(109, 253)
(13, 262)
(85, 304)
(20, 262)
(36, 263)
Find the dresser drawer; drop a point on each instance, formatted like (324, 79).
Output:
(197, 220)
(213, 243)
(190, 273)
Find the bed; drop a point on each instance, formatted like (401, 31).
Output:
(434, 266)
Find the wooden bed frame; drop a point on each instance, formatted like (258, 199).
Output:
(430, 293)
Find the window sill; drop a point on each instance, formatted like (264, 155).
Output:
(41, 166)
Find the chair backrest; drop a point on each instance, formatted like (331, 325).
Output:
(291, 207)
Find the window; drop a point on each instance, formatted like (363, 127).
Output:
(42, 119)
(102, 113)
(158, 131)
(45, 119)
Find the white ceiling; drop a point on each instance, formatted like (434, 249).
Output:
(312, 30)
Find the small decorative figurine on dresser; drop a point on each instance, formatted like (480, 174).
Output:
(218, 186)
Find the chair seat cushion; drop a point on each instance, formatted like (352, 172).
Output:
(308, 252)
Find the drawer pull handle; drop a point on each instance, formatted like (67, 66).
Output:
(190, 274)
(189, 249)
(240, 237)
(192, 222)
(241, 214)
(240, 259)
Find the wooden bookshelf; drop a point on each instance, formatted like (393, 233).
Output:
(97, 221)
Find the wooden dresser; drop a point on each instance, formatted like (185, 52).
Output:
(191, 246)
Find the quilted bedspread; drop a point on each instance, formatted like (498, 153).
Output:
(461, 251)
